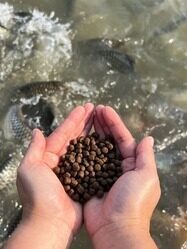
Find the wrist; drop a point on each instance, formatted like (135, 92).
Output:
(122, 235)
(34, 231)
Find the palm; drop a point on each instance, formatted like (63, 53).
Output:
(48, 195)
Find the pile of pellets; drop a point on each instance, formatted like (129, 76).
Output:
(89, 168)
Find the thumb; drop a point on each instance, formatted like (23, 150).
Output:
(145, 159)
(36, 148)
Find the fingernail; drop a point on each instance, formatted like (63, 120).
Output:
(151, 141)
(34, 133)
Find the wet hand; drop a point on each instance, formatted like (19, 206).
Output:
(129, 205)
(41, 192)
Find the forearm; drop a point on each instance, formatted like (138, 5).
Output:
(123, 239)
(39, 234)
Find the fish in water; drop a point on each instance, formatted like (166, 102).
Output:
(22, 118)
(106, 50)
(15, 125)
(8, 171)
(171, 26)
(39, 88)
(10, 209)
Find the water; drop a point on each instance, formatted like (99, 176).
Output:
(151, 100)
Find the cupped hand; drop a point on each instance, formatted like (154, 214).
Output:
(41, 192)
(131, 200)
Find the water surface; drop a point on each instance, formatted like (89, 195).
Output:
(151, 100)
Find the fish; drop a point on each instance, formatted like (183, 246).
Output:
(41, 115)
(8, 171)
(21, 119)
(15, 125)
(170, 26)
(10, 208)
(108, 51)
(39, 88)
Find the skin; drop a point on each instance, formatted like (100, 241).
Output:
(50, 217)
(121, 219)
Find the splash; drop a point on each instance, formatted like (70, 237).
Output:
(35, 44)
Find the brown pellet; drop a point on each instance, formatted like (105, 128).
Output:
(67, 180)
(57, 170)
(111, 166)
(74, 182)
(95, 185)
(105, 175)
(93, 147)
(90, 168)
(109, 145)
(67, 168)
(73, 142)
(74, 173)
(87, 141)
(62, 170)
(66, 163)
(85, 153)
(85, 185)
(92, 173)
(81, 139)
(79, 159)
(81, 174)
(97, 167)
(72, 159)
(83, 168)
(98, 152)
(86, 173)
(100, 193)
(95, 135)
(92, 191)
(86, 179)
(67, 188)
(104, 150)
(71, 147)
(71, 192)
(111, 155)
(92, 163)
(92, 180)
(76, 167)
(101, 156)
(75, 197)
(86, 196)
(99, 173)
(100, 145)
(79, 146)
(91, 157)
(67, 174)
(80, 189)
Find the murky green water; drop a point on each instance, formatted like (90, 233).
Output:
(151, 100)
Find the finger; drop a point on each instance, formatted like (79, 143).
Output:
(97, 125)
(36, 148)
(89, 109)
(145, 159)
(128, 164)
(61, 134)
(51, 159)
(119, 132)
(81, 128)
(101, 119)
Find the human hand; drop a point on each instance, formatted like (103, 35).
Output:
(41, 193)
(129, 205)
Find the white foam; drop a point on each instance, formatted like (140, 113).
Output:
(38, 44)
